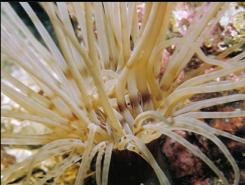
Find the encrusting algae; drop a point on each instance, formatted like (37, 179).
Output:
(104, 87)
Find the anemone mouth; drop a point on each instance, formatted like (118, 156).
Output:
(113, 81)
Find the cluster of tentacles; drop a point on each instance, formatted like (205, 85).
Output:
(102, 87)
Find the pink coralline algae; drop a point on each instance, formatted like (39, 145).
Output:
(183, 162)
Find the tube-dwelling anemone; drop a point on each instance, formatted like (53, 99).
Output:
(101, 86)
